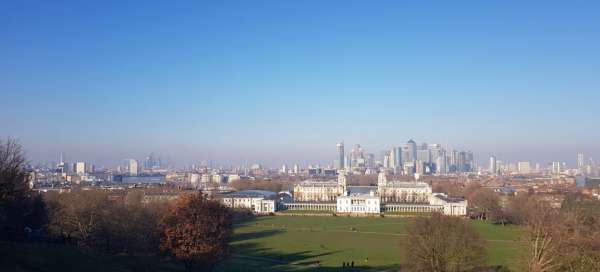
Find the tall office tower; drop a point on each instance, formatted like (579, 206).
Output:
(133, 167)
(387, 161)
(296, 169)
(370, 160)
(90, 168)
(410, 149)
(424, 155)
(398, 158)
(471, 161)
(80, 168)
(493, 165)
(556, 168)
(461, 162)
(348, 162)
(434, 150)
(284, 169)
(453, 160)
(341, 156)
(419, 167)
(391, 158)
(524, 167)
(580, 162)
(440, 165)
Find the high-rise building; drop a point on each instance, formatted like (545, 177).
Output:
(133, 167)
(80, 168)
(397, 156)
(440, 165)
(556, 168)
(387, 161)
(493, 165)
(524, 167)
(580, 162)
(341, 156)
(410, 149)
(424, 155)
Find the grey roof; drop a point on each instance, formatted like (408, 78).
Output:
(252, 193)
(450, 199)
(361, 189)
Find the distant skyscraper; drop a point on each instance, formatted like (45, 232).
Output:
(80, 168)
(493, 165)
(411, 150)
(524, 167)
(440, 165)
(580, 162)
(133, 167)
(341, 156)
(556, 168)
(424, 155)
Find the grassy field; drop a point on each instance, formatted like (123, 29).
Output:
(372, 243)
(275, 243)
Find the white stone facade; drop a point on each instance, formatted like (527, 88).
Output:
(256, 204)
(359, 204)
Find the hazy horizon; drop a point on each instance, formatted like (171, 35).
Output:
(276, 82)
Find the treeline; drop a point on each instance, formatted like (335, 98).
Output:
(563, 237)
(194, 230)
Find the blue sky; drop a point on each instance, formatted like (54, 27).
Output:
(283, 81)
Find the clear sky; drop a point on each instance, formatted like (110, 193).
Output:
(283, 81)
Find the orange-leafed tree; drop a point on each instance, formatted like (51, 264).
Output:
(197, 231)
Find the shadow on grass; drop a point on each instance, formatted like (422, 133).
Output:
(239, 237)
(248, 255)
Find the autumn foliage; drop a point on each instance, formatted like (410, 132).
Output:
(197, 231)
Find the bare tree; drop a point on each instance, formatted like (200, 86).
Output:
(442, 243)
(19, 206)
(78, 215)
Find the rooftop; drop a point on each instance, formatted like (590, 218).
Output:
(252, 193)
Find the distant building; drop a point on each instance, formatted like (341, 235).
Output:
(493, 165)
(258, 201)
(340, 157)
(524, 167)
(410, 151)
(556, 168)
(80, 168)
(133, 167)
(387, 196)
(359, 203)
(140, 179)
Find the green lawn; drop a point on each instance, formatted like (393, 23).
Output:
(376, 243)
(276, 243)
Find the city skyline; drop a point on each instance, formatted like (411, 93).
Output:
(273, 83)
(482, 162)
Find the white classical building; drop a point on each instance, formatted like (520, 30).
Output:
(320, 191)
(387, 196)
(359, 203)
(260, 202)
(451, 206)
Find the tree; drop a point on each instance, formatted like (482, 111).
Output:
(484, 203)
(19, 206)
(197, 231)
(542, 231)
(78, 215)
(443, 243)
(579, 229)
